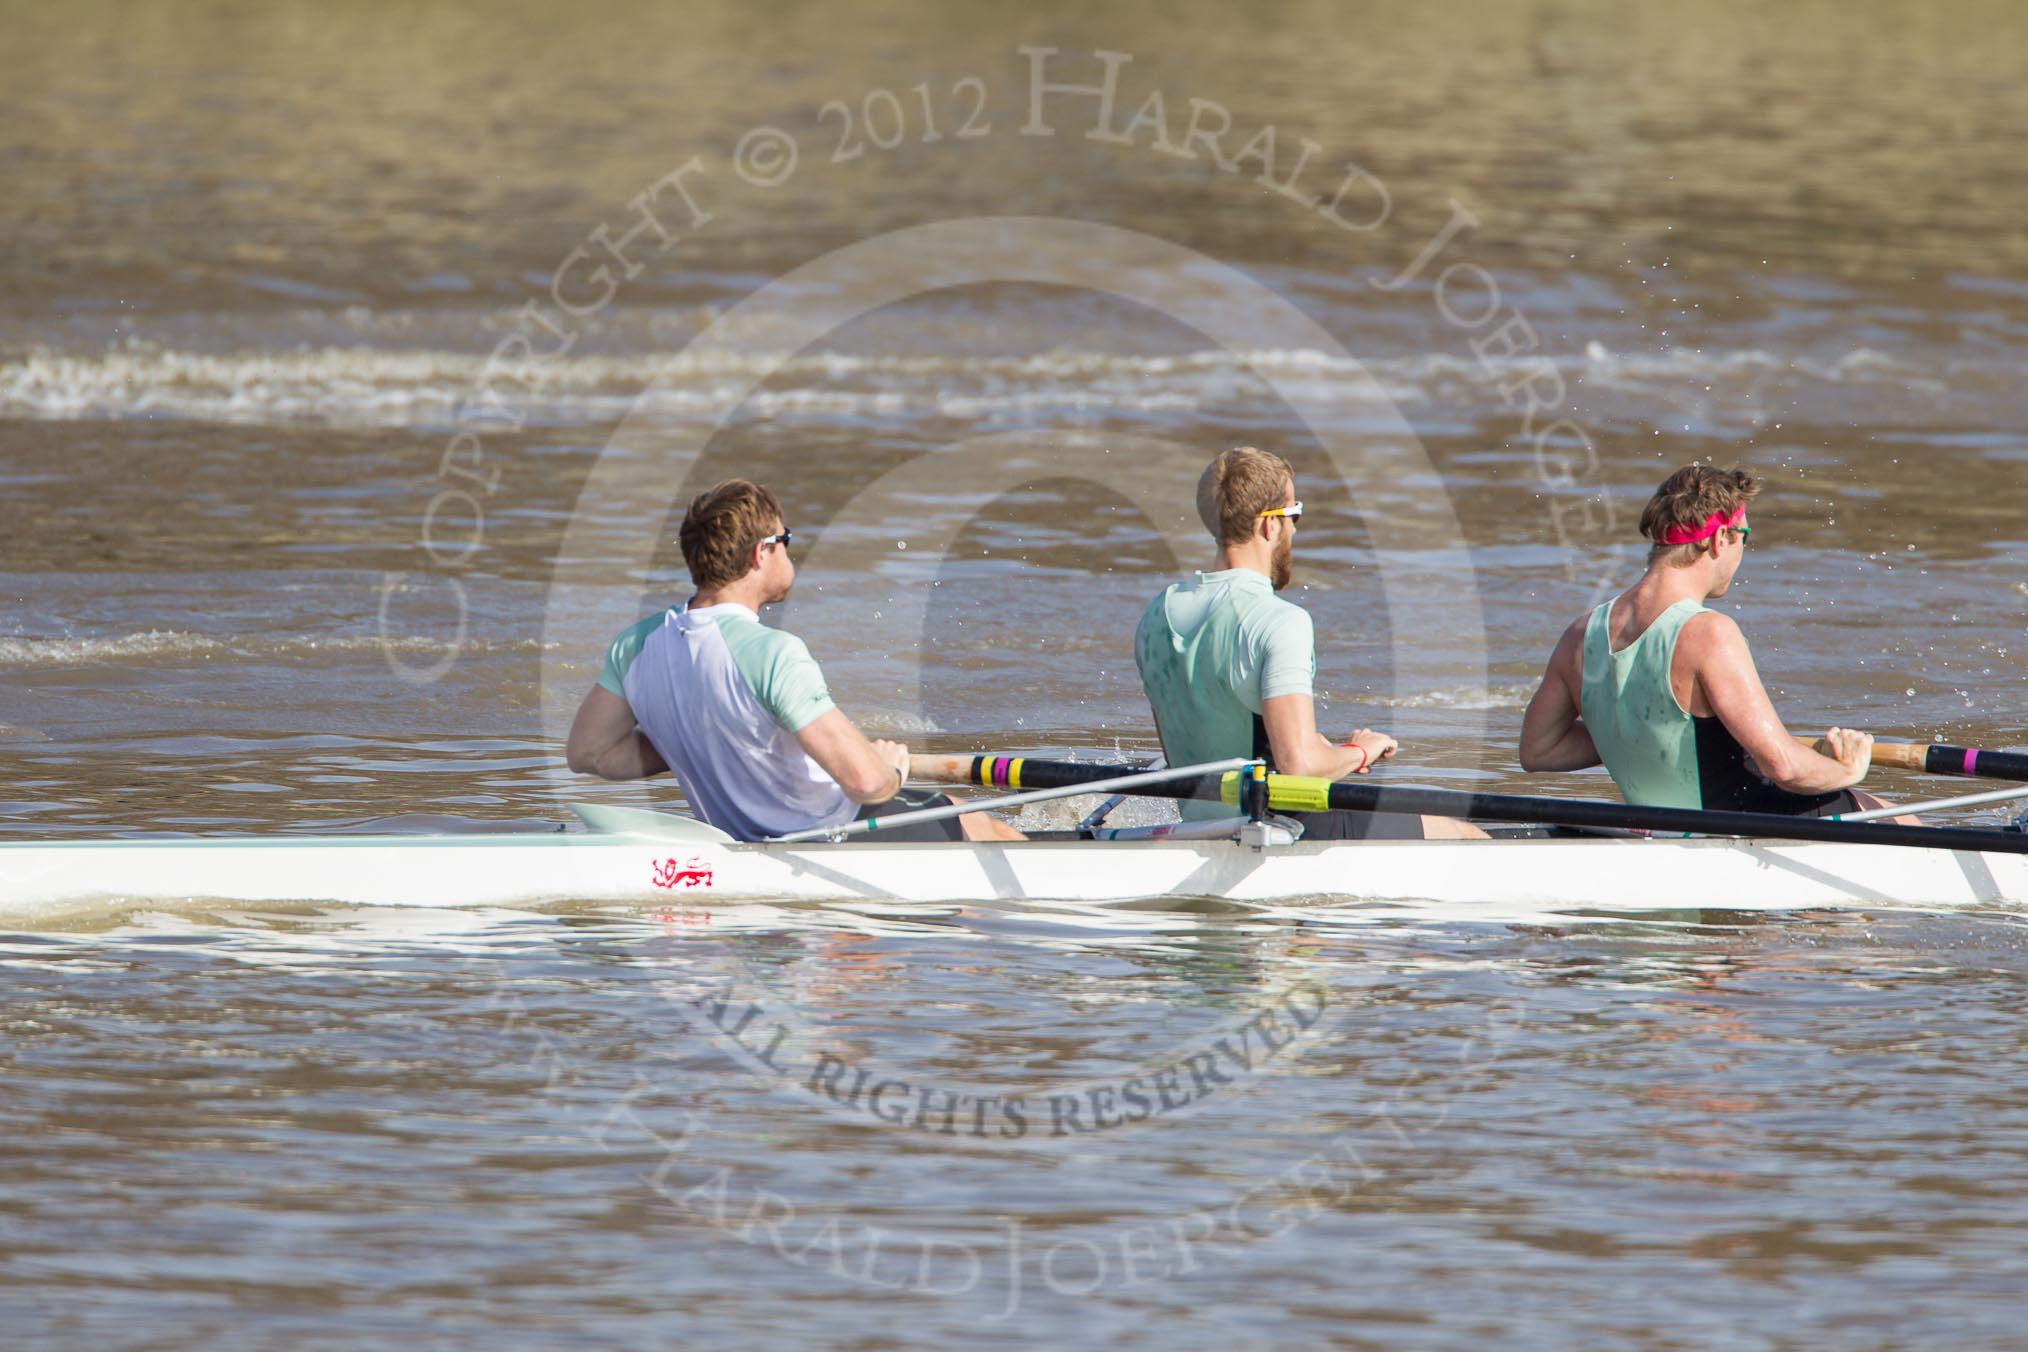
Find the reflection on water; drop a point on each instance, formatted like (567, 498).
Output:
(296, 1122)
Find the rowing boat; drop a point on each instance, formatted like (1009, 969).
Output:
(1635, 857)
(652, 858)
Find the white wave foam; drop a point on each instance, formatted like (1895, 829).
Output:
(895, 723)
(372, 387)
(170, 645)
(50, 652)
(1467, 697)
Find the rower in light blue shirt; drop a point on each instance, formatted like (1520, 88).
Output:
(1229, 667)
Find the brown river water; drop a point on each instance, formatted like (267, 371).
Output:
(356, 362)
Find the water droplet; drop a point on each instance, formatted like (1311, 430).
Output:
(903, 544)
(1909, 691)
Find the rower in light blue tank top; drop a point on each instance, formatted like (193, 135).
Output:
(1647, 740)
(1596, 705)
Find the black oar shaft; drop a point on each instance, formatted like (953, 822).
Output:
(1964, 761)
(1289, 793)
(1501, 807)
(1974, 763)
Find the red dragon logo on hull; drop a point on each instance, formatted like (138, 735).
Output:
(683, 873)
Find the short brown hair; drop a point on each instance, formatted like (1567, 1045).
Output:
(1236, 488)
(721, 528)
(1690, 497)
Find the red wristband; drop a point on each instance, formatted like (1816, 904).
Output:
(1366, 757)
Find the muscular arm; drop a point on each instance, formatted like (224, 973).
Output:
(869, 772)
(874, 771)
(605, 741)
(1723, 675)
(1288, 707)
(1299, 749)
(1553, 735)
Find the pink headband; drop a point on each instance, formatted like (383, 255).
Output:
(1716, 522)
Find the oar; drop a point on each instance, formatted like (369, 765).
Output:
(1121, 777)
(1091, 819)
(1292, 793)
(1966, 761)
(1933, 805)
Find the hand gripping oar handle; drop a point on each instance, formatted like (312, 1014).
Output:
(1936, 759)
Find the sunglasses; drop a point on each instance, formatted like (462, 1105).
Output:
(1293, 512)
(781, 538)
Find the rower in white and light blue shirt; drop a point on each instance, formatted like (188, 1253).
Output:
(739, 712)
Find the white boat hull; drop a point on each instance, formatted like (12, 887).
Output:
(1476, 878)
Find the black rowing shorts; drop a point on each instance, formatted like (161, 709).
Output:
(909, 800)
(1358, 825)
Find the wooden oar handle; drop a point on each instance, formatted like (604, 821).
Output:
(1901, 755)
(940, 769)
